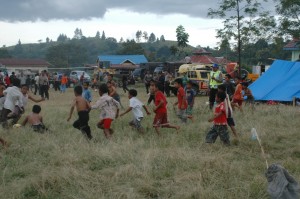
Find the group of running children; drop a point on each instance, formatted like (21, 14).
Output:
(13, 100)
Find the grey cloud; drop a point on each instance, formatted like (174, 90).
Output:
(32, 10)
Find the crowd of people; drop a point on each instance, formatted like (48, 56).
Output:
(224, 96)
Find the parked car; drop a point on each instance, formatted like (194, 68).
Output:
(76, 74)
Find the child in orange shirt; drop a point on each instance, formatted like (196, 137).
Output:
(237, 100)
(182, 102)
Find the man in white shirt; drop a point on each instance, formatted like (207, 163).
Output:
(13, 97)
(36, 83)
(135, 105)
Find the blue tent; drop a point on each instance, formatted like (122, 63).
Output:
(280, 83)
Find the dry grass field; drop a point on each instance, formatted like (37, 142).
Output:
(62, 164)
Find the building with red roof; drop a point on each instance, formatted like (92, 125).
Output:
(202, 56)
(27, 66)
(293, 46)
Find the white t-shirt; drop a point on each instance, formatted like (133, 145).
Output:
(136, 106)
(13, 97)
(22, 80)
(2, 100)
(37, 79)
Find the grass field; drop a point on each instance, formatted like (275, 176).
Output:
(63, 164)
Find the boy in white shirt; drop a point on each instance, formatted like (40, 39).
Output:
(135, 105)
(13, 97)
(109, 110)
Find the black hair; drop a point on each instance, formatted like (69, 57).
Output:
(178, 81)
(24, 85)
(36, 109)
(245, 84)
(87, 83)
(222, 87)
(16, 82)
(221, 96)
(78, 90)
(133, 92)
(152, 81)
(228, 75)
(103, 88)
(110, 75)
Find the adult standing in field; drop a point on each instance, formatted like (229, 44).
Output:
(36, 83)
(168, 78)
(12, 77)
(44, 85)
(56, 82)
(215, 79)
(22, 79)
(147, 79)
(229, 86)
(82, 79)
(161, 81)
(63, 83)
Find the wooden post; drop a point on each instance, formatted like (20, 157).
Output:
(294, 101)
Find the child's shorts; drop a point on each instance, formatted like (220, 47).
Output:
(189, 110)
(218, 130)
(105, 123)
(230, 121)
(136, 122)
(160, 120)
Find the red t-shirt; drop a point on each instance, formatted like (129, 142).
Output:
(158, 97)
(221, 120)
(181, 98)
(7, 81)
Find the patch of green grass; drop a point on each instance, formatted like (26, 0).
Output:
(63, 164)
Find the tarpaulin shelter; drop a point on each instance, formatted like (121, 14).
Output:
(280, 83)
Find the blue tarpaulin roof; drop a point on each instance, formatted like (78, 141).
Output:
(280, 83)
(119, 59)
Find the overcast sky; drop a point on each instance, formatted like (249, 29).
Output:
(32, 20)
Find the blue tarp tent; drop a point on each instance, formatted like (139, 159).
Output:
(280, 83)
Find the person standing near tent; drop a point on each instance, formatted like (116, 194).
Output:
(237, 100)
(215, 79)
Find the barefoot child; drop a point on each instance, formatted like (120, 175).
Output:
(160, 110)
(220, 122)
(83, 108)
(229, 114)
(35, 120)
(181, 101)
(190, 96)
(135, 105)
(109, 110)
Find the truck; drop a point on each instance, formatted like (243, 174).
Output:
(198, 74)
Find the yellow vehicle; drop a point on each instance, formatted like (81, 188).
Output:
(198, 74)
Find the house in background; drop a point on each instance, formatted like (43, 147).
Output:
(204, 57)
(25, 66)
(293, 46)
(129, 62)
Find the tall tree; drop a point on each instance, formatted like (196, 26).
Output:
(289, 11)
(77, 34)
(145, 36)
(98, 35)
(162, 38)
(138, 36)
(62, 38)
(47, 40)
(152, 38)
(18, 50)
(182, 37)
(241, 20)
(103, 37)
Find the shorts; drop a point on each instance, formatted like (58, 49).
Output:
(105, 123)
(230, 121)
(239, 102)
(181, 114)
(189, 110)
(218, 130)
(40, 128)
(160, 120)
(136, 123)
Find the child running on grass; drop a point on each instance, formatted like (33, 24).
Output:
(181, 101)
(160, 110)
(87, 95)
(135, 105)
(109, 110)
(83, 108)
(229, 113)
(113, 92)
(220, 122)
(35, 120)
(190, 96)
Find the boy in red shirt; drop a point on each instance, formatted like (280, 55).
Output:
(220, 122)
(182, 102)
(160, 110)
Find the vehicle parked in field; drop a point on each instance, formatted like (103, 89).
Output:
(76, 74)
(198, 74)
